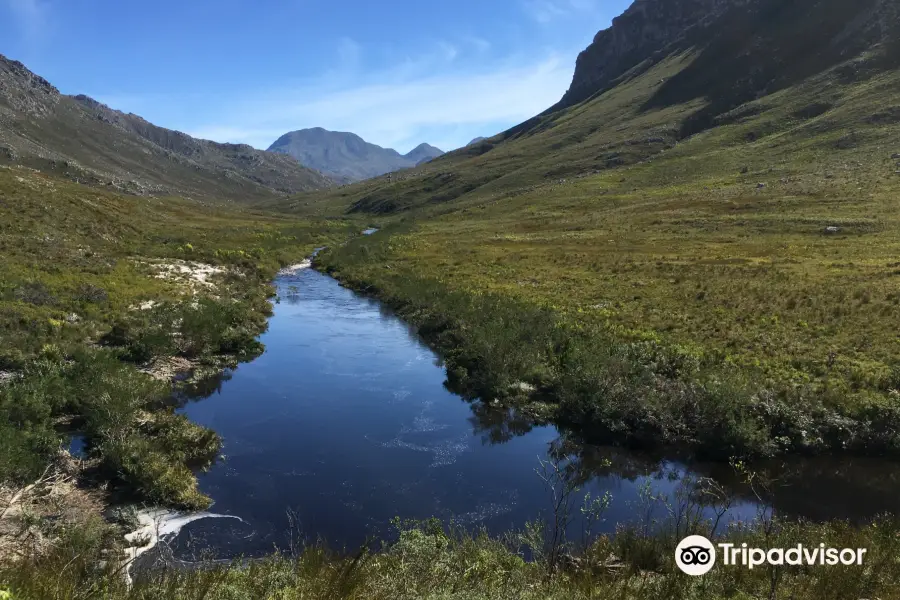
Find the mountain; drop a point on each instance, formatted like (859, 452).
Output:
(89, 142)
(476, 140)
(423, 153)
(346, 156)
(745, 47)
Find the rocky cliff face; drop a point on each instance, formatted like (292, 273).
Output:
(647, 27)
(763, 39)
(24, 91)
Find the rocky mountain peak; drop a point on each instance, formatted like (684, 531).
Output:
(423, 153)
(742, 47)
(24, 91)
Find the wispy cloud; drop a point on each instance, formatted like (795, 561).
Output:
(31, 18)
(449, 51)
(443, 109)
(479, 44)
(348, 52)
(545, 11)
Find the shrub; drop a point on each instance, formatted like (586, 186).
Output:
(36, 293)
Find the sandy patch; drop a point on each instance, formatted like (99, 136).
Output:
(165, 368)
(191, 273)
(146, 305)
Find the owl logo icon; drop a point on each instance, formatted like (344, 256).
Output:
(695, 555)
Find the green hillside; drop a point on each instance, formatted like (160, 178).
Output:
(85, 141)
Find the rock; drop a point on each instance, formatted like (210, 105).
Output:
(521, 386)
(760, 186)
(640, 33)
(745, 170)
(895, 156)
(72, 318)
(831, 229)
(7, 376)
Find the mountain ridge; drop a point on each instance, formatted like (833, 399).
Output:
(345, 156)
(89, 142)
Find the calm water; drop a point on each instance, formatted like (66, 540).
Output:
(344, 424)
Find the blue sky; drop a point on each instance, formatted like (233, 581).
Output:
(396, 72)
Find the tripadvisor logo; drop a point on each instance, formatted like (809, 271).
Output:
(696, 555)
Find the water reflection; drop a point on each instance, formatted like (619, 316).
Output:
(498, 425)
(197, 389)
(820, 488)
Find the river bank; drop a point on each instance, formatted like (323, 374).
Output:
(638, 393)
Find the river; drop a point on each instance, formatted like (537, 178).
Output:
(344, 423)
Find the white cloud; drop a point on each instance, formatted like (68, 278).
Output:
(399, 108)
(31, 16)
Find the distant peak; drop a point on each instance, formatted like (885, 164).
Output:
(346, 156)
(423, 152)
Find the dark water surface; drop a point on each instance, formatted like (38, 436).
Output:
(344, 424)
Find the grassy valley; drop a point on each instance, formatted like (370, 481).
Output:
(697, 251)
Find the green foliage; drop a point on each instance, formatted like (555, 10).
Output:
(118, 409)
(204, 327)
(153, 470)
